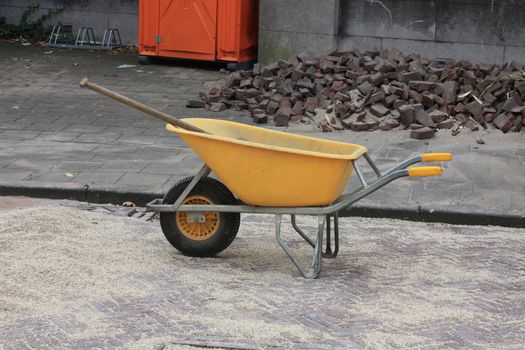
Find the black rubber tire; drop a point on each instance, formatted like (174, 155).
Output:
(229, 223)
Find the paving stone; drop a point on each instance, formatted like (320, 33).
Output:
(59, 136)
(19, 134)
(143, 179)
(9, 174)
(98, 178)
(85, 128)
(73, 166)
(98, 138)
(127, 166)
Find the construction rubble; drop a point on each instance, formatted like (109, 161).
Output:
(376, 90)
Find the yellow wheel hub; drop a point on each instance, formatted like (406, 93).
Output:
(198, 231)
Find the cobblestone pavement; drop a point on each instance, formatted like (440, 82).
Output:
(53, 132)
(395, 284)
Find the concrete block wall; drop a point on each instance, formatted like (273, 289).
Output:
(99, 14)
(484, 31)
(294, 26)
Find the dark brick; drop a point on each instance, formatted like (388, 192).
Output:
(379, 110)
(504, 121)
(420, 85)
(423, 133)
(407, 115)
(195, 104)
(446, 124)
(365, 87)
(422, 117)
(438, 116)
(281, 118)
(450, 91)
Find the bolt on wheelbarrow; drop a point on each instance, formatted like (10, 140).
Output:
(263, 171)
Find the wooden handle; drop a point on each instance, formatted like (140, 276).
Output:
(85, 83)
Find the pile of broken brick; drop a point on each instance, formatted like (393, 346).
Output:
(376, 90)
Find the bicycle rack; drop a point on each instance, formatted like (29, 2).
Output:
(113, 38)
(85, 38)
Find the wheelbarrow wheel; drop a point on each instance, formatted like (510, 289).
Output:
(216, 230)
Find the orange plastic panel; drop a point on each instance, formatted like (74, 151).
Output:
(237, 30)
(225, 30)
(187, 28)
(148, 27)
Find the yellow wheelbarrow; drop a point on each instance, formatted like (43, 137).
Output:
(265, 172)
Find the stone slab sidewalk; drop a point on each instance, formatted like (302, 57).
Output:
(58, 140)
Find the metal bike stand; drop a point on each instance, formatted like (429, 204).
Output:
(85, 37)
(111, 38)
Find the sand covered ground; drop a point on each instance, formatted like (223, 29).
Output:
(71, 277)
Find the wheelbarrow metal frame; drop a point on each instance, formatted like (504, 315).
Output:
(322, 212)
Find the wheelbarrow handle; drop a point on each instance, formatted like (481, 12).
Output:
(85, 83)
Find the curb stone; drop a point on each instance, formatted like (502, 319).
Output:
(118, 195)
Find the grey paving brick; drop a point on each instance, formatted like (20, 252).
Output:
(97, 138)
(8, 174)
(175, 168)
(74, 155)
(46, 127)
(111, 149)
(51, 177)
(128, 166)
(85, 128)
(78, 166)
(143, 179)
(13, 125)
(111, 156)
(19, 134)
(125, 130)
(137, 139)
(32, 164)
(58, 136)
(75, 146)
(102, 178)
(171, 141)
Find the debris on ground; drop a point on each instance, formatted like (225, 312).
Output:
(376, 90)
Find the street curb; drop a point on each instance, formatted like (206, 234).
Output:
(118, 195)
(461, 216)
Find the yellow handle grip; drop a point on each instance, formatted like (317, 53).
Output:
(425, 171)
(436, 157)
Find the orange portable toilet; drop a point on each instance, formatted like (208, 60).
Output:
(212, 30)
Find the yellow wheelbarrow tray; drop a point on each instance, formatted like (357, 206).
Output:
(241, 155)
(263, 172)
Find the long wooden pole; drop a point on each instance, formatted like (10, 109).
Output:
(85, 83)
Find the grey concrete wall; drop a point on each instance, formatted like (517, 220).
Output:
(294, 26)
(99, 14)
(489, 31)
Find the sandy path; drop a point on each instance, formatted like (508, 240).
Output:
(392, 284)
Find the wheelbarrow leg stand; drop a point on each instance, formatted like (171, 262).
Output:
(329, 253)
(312, 271)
